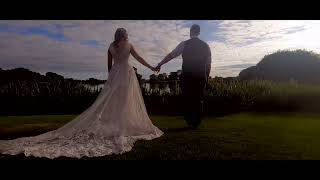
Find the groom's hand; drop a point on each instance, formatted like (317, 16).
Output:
(158, 68)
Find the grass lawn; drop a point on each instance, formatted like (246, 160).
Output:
(238, 136)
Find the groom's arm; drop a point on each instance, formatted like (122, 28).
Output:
(109, 60)
(175, 53)
(208, 63)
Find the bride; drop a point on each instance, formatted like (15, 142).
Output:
(114, 122)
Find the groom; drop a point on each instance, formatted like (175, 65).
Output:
(196, 68)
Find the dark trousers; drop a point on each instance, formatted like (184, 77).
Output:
(192, 94)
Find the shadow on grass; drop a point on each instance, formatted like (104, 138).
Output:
(19, 134)
(176, 130)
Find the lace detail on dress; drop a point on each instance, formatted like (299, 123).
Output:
(78, 145)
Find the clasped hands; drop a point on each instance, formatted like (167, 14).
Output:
(156, 69)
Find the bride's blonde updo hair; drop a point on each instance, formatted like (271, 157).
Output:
(119, 35)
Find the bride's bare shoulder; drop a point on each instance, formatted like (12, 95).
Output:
(130, 45)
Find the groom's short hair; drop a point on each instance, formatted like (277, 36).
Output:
(195, 29)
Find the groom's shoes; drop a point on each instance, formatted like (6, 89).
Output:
(194, 118)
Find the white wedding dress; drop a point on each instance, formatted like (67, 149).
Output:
(114, 122)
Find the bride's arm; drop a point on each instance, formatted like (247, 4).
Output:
(109, 60)
(139, 58)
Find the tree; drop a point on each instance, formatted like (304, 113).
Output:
(162, 77)
(173, 76)
(153, 77)
(94, 82)
(283, 66)
(179, 72)
(54, 76)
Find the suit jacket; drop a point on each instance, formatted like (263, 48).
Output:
(196, 58)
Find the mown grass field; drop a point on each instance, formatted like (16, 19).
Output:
(239, 136)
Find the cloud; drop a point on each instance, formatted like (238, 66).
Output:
(247, 32)
(78, 48)
(43, 54)
(86, 51)
(239, 66)
(246, 42)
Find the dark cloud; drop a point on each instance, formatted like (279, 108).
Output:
(237, 66)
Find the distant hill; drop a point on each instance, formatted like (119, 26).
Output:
(22, 74)
(282, 66)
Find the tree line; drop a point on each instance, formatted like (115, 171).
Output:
(25, 92)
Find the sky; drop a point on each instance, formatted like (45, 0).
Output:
(78, 49)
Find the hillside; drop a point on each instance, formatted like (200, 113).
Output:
(282, 66)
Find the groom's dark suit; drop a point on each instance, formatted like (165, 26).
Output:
(196, 67)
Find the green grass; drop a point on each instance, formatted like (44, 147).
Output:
(238, 136)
